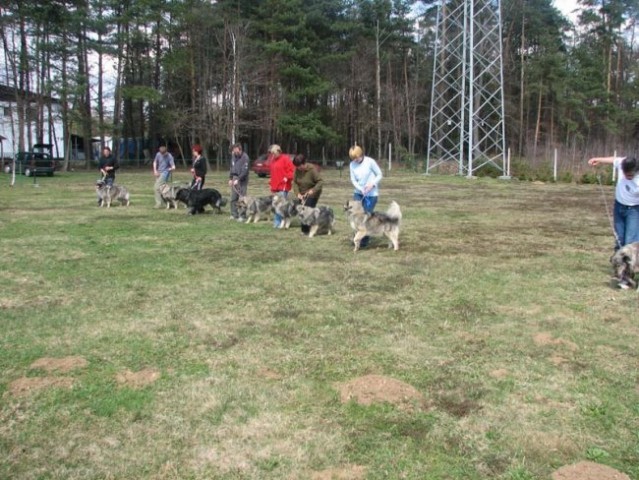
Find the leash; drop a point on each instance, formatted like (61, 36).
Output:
(610, 219)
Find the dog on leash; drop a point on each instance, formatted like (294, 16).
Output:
(169, 194)
(100, 191)
(625, 264)
(198, 199)
(376, 223)
(252, 208)
(286, 209)
(107, 194)
(319, 219)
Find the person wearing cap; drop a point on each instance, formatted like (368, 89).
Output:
(238, 178)
(198, 169)
(365, 177)
(282, 171)
(307, 184)
(163, 165)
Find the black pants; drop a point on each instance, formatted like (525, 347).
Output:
(310, 202)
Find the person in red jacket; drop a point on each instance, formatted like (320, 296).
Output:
(282, 172)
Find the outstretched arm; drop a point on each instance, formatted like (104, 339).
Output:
(601, 160)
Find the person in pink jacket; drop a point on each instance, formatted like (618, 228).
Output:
(282, 172)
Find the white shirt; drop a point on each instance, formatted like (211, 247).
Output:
(627, 191)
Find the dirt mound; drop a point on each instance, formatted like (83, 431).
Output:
(545, 338)
(378, 389)
(64, 364)
(138, 379)
(351, 472)
(588, 471)
(27, 385)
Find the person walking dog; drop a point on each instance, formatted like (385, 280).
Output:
(163, 165)
(626, 208)
(365, 177)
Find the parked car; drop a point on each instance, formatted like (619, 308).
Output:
(34, 163)
(262, 166)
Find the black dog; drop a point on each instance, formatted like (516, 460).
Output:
(182, 195)
(198, 199)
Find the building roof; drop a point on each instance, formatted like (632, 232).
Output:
(8, 94)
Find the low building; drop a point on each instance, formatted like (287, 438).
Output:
(40, 110)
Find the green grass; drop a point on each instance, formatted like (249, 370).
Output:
(497, 308)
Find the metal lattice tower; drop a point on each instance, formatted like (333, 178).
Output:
(467, 100)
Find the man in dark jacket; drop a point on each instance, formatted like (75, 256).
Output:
(108, 165)
(238, 178)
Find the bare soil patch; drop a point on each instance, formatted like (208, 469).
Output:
(378, 389)
(64, 364)
(588, 471)
(27, 385)
(545, 338)
(137, 379)
(351, 472)
(499, 373)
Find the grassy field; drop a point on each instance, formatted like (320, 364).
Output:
(139, 343)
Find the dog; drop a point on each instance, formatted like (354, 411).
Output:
(285, 208)
(100, 190)
(252, 208)
(182, 195)
(376, 223)
(319, 219)
(198, 199)
(107, 194)
(169, 194)
(625, 264)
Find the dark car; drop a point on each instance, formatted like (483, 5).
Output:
(262, 166)
(33, 163)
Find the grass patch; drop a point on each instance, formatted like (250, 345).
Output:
(212, 349)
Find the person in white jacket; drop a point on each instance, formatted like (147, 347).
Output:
(365, 177)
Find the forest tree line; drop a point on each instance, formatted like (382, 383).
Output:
(312, 75)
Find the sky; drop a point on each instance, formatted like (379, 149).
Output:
(566, 7)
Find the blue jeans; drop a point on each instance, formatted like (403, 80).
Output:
(369, 206)
(277, 219)
(626, 224)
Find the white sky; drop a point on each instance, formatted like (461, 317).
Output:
(566, 7)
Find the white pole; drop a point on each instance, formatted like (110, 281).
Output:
(508, 163)
(554, 169)
(614, 170)
(390, 156)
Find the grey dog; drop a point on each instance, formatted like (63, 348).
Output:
(110, 193)
(376, 223)
(319, 219)
(625, 264)
(254, 207)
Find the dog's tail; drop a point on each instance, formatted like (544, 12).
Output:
(394, 211)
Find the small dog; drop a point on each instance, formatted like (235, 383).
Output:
(252, 208)
(625, 264)
(375, 223)
(198, 199)
(285, 208)
(319, 219)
